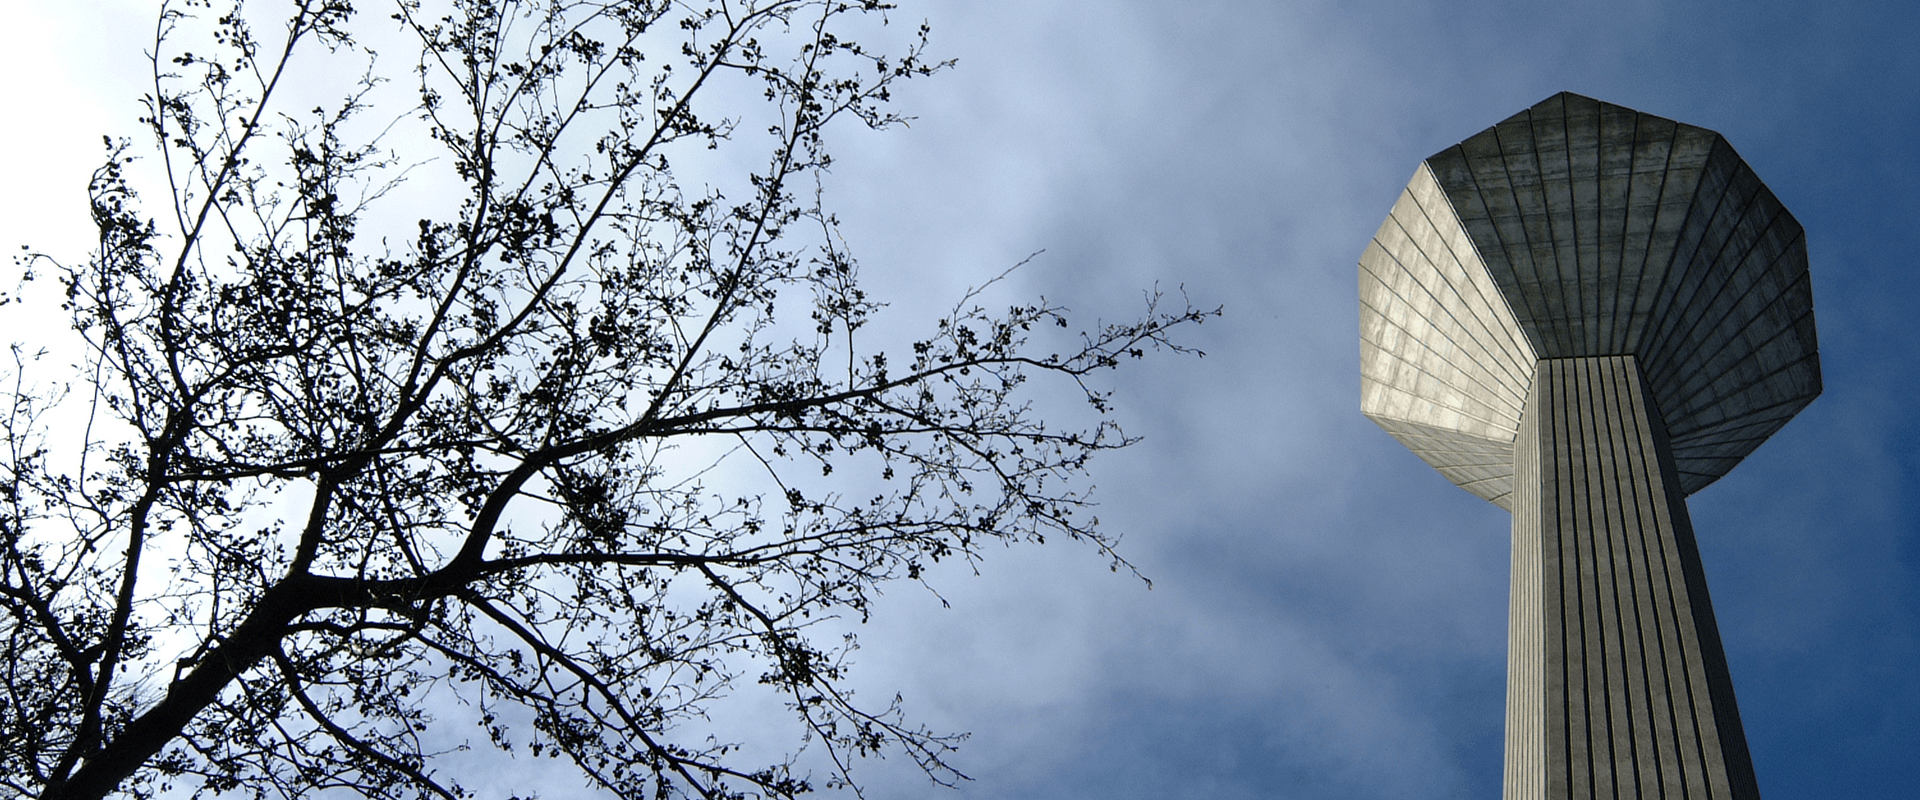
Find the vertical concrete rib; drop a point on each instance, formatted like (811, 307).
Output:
(1527, 613)
(1566, 767)
(1566, 483)
(1627, 695)
(1616, 587)
(1584, 493)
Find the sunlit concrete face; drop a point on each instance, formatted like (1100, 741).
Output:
(1584, 314)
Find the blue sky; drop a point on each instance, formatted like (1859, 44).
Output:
(1327, 616)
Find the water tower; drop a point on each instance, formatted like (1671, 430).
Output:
(1584, 314)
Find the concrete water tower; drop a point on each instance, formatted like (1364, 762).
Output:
(1584, 314)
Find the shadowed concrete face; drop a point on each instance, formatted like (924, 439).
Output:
(1584, 314)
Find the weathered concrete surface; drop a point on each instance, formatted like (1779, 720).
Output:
(1443, 364)
(1584, 314)
(1617, 686)
(1580, 228)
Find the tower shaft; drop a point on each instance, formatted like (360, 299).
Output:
(1617, 685)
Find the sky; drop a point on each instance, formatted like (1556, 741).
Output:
(1327, 615)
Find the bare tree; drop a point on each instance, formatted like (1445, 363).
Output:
(499, 390)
